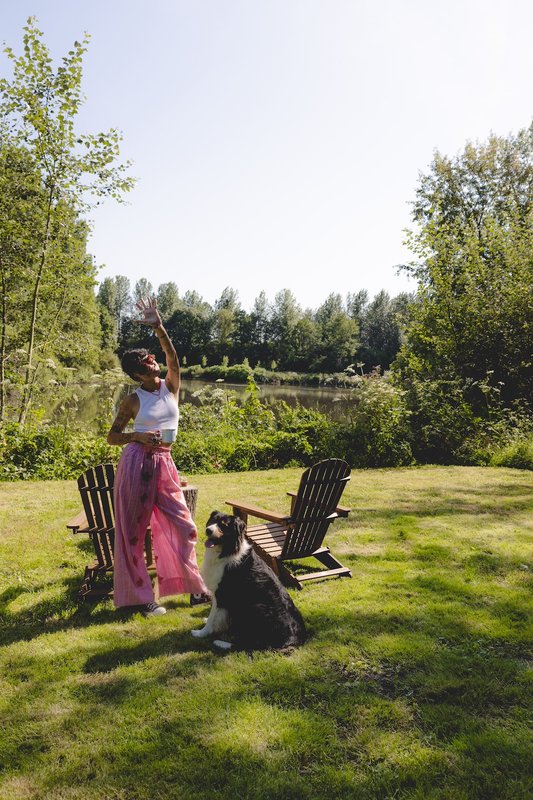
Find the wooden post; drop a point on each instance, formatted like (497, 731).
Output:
(190, 493)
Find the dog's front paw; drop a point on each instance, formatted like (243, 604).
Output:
(222, 645)
(200, 633)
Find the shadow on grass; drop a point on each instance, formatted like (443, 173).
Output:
(169, 643)
(265, 733)
(60, 613)
(413, 687)
(261, 729)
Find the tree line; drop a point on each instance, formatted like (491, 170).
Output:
(342, 332)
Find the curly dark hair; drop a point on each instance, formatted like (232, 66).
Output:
(132, 361)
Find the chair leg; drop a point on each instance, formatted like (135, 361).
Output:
(325, 557)
(148, 550)
(92, 588)
(286, 577)
(334, 568)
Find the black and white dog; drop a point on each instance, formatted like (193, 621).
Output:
(249, 600)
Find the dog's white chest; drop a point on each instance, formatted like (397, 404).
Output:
(213, 566)
(212, 569)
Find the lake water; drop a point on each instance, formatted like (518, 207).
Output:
(320, 398)
(93, 401)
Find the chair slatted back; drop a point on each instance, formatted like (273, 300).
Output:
(96, 490)
(318, 496)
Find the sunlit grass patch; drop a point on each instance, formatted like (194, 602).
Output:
(415, 681)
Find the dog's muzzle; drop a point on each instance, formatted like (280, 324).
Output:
(213, 535)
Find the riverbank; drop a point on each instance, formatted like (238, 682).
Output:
(241, 373)
(225, 433)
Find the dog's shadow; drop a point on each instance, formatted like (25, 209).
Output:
(170, 644)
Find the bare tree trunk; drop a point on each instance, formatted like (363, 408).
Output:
(3, 289)
(28, 387)
(33, 377)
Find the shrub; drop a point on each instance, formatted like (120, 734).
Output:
(238, 373)
(444, 424)
(227, 433)
(50, 452)
(215, 372)
(250, 454)
(377, 433)
(308, 424)
(288, 449)
(310, 379)
(517, 454)
(260, 374)
(463, 422)
(194, 372)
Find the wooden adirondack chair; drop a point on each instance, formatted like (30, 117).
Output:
(301, 533)
(98, 520)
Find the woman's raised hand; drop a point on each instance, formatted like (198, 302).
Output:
(148, 308)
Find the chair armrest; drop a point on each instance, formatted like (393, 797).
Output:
(243, 510)
(342, 511)
(77, 523)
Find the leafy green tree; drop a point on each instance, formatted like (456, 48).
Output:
(190, 329)
(475, 244)
(356, 304)
(307, 342)
(21, 201)
(260, 326)
(108, 337)
(285, 314)
(123, 303)
(225, 320)
(142, 288)
(228, 299)
(63, 169)
(168, 299)
(107, 296)
(381, 330)
(242, 343)
(338, 335)
(193, 300)
(114, 295)
(470, 330)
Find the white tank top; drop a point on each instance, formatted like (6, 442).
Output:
(157, 410)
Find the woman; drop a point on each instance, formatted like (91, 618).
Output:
(147, 487)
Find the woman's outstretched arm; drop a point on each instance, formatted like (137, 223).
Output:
(151, 317)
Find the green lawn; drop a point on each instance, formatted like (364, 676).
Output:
(414, 683)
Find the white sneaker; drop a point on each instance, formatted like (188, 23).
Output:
(153, 610)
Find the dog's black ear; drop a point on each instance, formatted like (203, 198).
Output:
(240, 524)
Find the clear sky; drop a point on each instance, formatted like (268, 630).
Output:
(277, 143)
